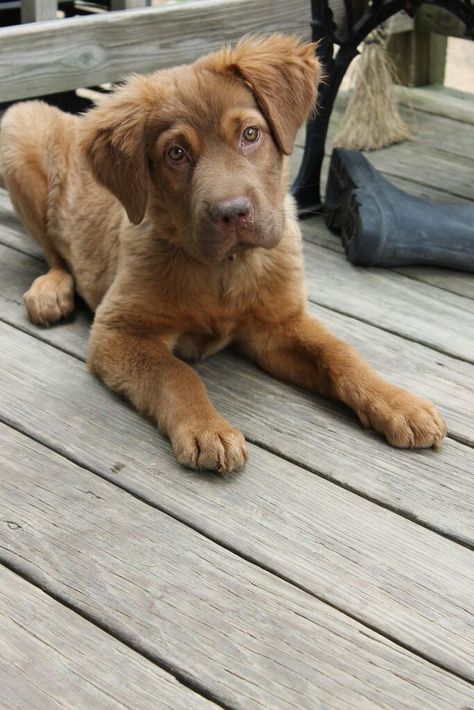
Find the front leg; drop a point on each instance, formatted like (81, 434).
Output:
(163, 387)
(304, 352)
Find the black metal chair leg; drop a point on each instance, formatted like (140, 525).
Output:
(307, 186)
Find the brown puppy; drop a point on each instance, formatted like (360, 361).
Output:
(207, 251)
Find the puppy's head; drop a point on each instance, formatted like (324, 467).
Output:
(203, 145)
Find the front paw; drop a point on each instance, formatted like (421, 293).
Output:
(50, 297)
(407, 421)
(213, 445)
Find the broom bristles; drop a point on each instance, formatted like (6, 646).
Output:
(372, 119)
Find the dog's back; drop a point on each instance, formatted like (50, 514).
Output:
(56, 197)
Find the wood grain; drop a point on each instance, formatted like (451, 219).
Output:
(426, 168)
(438, 132)
(459, 282)
(419, 311)
(430, 131)
(439, 100)
(224, 623)
(86, 51)
(38, 10)
(367, 561)
(420, 165)
(51, 657)
(12, 231)
(433, 167)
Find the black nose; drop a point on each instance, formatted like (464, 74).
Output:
(232, 212)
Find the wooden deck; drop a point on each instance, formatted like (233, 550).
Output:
(334, 572)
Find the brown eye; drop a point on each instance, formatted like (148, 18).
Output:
(177, 154)
(251, 134)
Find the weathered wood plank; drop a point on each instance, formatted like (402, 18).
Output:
(432, 167)
(440, 21)
(431, 132)
(128, 4)
(436, 138)
(423, 313)
(12, 231)
(51, 657)
(417, 58)
(249, 637)
(86, 51)
(17, 272)
(446, 381)
(435, 169)
(315, 231)
(458, 282)
(439, 132)
(283, 517)
(434, 131)
(38, 10)
(439, 100)
(315, 433)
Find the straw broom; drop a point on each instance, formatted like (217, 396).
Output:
(372, 119)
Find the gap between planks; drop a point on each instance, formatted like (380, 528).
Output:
(275, 450)
(271, 569)
(452, 159)
(111, 510)
(461, 283)
(207, 506)
(85, 661)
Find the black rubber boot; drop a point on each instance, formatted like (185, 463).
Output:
(381, 225)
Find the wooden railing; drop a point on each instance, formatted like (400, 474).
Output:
(58, 55)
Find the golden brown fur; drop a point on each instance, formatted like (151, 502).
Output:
(207, 251)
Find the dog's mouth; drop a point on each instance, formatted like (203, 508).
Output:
(215, 243)
(218, 247)
(238, 248)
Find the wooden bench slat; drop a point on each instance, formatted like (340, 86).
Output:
(38, 10)
(66, 54)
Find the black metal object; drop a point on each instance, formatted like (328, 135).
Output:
(381, 225)
(357, 25)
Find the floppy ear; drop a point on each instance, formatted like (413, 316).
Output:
(283, 74)
(114, 142)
